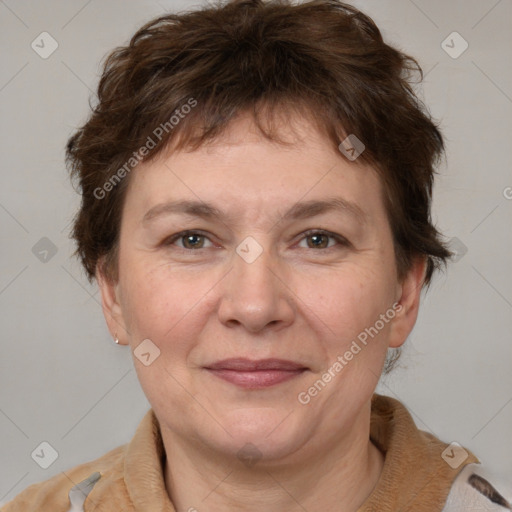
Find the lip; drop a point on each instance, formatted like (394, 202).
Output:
(241, 364)
(250, 374)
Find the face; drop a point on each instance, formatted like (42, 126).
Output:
(250, 251)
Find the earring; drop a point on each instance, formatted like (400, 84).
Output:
(116, 340)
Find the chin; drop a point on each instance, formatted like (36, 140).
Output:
(261, 433)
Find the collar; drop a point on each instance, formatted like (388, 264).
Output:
(419, 469)
(417, 473)
(144, 468)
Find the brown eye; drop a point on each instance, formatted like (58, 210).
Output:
(318, 241)
(190, 240)
(193, 241)
(323, 240)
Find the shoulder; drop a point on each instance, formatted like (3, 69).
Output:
(476, 488)
(52, 495)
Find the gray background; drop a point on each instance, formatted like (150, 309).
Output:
(62, 378)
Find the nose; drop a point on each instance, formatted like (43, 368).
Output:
(254, 294)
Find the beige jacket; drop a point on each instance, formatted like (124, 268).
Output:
(418, 473)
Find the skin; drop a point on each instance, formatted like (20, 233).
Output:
(296, 301)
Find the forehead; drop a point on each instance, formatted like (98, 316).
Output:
(243, 170)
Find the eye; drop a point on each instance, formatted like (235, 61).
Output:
(320, 239)
(315, 239)
(191, 240)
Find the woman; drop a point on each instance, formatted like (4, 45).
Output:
(256, 185)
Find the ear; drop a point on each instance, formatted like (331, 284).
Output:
(408, 303)
(111, 305)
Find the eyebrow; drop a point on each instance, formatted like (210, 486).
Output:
(301, 210)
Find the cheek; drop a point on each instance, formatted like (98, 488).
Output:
(160, 307)
(351, 297)
(347, 308)
(154, 303)
(169, 307)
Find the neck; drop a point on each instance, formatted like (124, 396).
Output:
(316, 478)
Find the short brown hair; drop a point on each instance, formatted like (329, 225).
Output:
(322, 59)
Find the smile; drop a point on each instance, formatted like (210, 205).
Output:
(256, 374)
(258, 378)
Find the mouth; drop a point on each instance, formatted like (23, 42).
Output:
(250, 374)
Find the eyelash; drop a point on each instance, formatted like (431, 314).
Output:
(341, 240)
